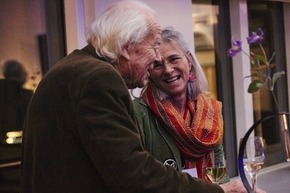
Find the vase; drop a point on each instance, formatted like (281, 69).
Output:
(285, 135)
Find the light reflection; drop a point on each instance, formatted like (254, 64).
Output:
(14, 137)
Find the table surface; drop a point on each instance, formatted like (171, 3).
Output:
(275, 179)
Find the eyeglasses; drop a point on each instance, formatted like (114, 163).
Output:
(170, 60)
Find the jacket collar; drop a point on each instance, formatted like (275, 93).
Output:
(91, 50)
(142, 101)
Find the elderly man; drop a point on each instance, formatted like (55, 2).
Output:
(80, 133)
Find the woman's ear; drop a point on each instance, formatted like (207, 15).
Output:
(125, 53)
(190, 57)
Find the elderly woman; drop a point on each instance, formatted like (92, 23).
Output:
(179, 124)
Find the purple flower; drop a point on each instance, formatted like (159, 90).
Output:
(236, 48)
(256, 38)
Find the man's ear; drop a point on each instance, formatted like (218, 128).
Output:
(125, 53)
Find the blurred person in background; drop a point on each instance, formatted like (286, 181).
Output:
(14, 98)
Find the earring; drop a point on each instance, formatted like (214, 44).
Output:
(191, 77)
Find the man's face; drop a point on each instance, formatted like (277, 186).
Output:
(141, 59)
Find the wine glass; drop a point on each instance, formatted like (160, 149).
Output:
(217, 171)
(254, 158)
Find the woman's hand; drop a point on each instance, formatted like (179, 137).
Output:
(236, 186)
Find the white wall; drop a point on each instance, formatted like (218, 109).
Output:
(176, 13)
(243, 99)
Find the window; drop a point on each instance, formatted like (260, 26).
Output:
(269, 16)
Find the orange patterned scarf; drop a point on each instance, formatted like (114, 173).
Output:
(196, 135)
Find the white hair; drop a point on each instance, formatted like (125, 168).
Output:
(123, 23)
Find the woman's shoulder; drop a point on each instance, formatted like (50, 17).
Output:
(139, 105)
(139, 102)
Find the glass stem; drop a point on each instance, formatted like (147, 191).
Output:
(217, 182)
(254, 180)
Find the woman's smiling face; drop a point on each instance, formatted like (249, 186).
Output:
(172, 74)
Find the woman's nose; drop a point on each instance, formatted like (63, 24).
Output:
(168, 68)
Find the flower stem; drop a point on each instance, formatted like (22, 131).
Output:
(264, 53)
(249, 56)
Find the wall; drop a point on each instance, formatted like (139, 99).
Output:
(21, 22)
(243, 100)
(81, 13)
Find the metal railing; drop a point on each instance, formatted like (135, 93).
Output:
(10, 164)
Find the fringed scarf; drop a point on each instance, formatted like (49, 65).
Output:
(196, 133)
